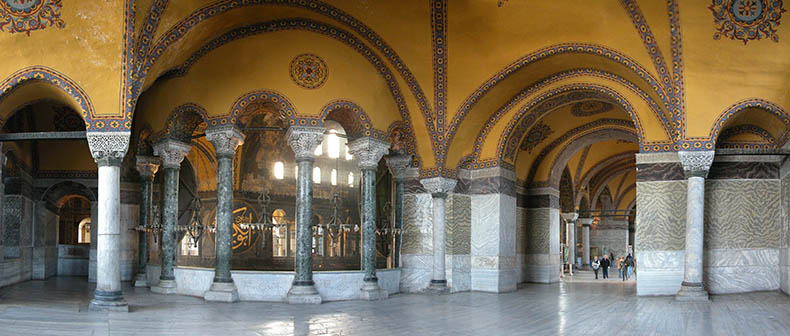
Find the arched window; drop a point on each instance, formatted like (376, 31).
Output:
(333, 145)
(348, 154)
(317, 175)
(319, 150)
(84, 231)
(279, 234)
(333, 177)
(279, 170)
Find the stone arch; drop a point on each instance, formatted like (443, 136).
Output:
(561, 160)
(745, 106)
(251, 103)
(608, 163)
(603, 185)
(182, 122)
(55, 194)
(355, 121)
(52, 78)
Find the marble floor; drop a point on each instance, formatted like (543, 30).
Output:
(58, 307)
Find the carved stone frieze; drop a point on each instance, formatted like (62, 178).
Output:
(368, 151)
(696, 163)
(108, 148)
(172, 152)
(303, 140)
(226, 140)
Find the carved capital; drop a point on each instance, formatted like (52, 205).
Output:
(108, 148)
(696, 163)
(368, 151)
(303, 140)
(570, 216)
(147, 166)
(225, 140)
(586, 221)
(399, 165)
(438, 186)
(172, 152)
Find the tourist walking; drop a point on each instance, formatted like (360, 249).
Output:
(627, 263)
(596, 264)
(620, 265)
(605, 263)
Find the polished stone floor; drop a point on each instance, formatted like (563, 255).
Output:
(58, 307)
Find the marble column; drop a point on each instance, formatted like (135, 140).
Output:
(586, 222)
(303, 140)
(172, 153)
(695, 166)
(438, 187)
(108, 150)
(147, 167)
(398, 166)
(570, 235)
(2, 203)
(225, 140)
(368, 152)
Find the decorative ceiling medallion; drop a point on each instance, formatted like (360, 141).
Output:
(536, 135)
(308, 71)
(590, 108)
(24, 16)
(747, 19)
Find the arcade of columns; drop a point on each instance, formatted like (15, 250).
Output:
(108, 150)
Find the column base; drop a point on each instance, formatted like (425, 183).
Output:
(222, 292)
(437, 287)
(303, 294)
(370, 291)
(141, 280)
(692, 292)
(108, 301)
(165, 287)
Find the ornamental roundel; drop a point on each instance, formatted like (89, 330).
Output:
(747, 19)
(590, 108)
(535, 136)
(308, 71)
(24, 16)
(244, 238)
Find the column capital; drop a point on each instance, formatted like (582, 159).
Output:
(303, 140)
(399, 165)
(570, 216)
(438, 186)
(108, 148)
(147, 166)
(172, 152)
(696, 163)
(368, 151)
(586, 221)
(225, 139)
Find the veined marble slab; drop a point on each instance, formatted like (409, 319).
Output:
(659, 272)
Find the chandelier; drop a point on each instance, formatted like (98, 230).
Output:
(154, 225)
(195, 227)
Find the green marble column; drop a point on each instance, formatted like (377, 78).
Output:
(147, 166)
(172, 153)
(398, 166)
(368, 152)
(303, 140)
(225, 141)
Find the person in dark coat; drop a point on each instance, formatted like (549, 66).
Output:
(605, 266)
(627, 264)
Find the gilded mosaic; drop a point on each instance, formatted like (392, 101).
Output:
(308, 71)
(747, 20)
(25, 16)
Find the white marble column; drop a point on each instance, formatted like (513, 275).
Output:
(108, 150)
(303, 140)
(696, 166)
(147, 166)
(368, 152)
(225, 140)
(438, 187)
(172, 153)
(586, 222)
(570, 235)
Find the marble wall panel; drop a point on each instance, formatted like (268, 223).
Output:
(742, 214)
(614, 241)
(416, 272)
(458, 224)
(417, 224)
(458, 272)
(12, 217)
(660, 272)
(493, 243)
(661, 216)
(538, 228)
(73, 260)
(128, 249)
(521, 243)
(542, 245)
(743, 270)
(784, 270)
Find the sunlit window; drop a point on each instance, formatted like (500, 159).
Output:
(279, 170)
(333, 177)
(188, 247)
(333, 145)
(350, 179)
(84, 233)
(317, 175)
(296, 172)
(348, 154)
(319, 150)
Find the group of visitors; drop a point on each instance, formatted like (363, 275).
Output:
(625, 266)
